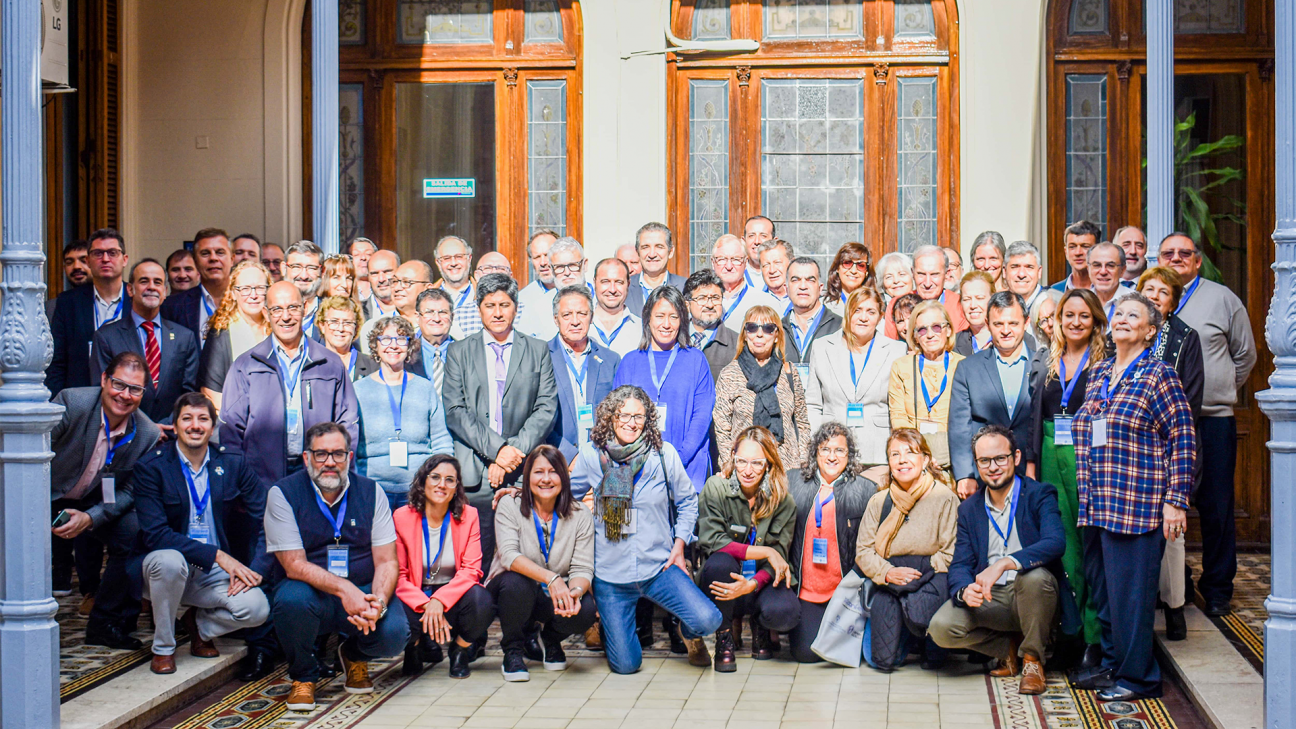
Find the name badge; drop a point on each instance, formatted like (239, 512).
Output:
(661, 416)
(631, 525)
(585, 417)
(1062, 430)
(928, 427)
(109, 486)
(819, 551)
(803, 372)
(854, 415)
(337, 561)
(293, 420)
(398, 453)
(1099, 432)
(199, 532)
(749, 569)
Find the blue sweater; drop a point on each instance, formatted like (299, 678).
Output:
(689, 395)
(423, 427)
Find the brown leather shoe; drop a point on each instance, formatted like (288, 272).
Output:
(1008, 667)
(697, 651)
(302, 696)
(162, 664)
(593, 640)
(197, 646)
(357, 675)
(87, 606)
(1032, 677)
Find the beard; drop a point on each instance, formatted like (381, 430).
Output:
(329, 482)
(1004, 481)
(704, 323)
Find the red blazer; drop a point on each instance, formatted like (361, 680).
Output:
(466, 538)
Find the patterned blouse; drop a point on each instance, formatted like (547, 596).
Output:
(735, 404)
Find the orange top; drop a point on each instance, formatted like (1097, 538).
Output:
(818, 581)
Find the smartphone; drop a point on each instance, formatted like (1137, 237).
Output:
(61, 518)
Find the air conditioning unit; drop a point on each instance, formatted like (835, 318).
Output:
(54, 46)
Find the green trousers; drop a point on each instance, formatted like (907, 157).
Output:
(1058, 467)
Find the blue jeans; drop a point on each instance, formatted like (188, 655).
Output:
(302, 613)
(673, 590)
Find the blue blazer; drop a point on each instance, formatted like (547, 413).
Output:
(182, 308)
(73, 330)
(162, 504)
(977, 399)
(603, 364)
(177, 374)
(1039, 528)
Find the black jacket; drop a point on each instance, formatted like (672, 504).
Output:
(829, 324)
(73, 330)
(850, 497)
(1180, 347)
(177, 371)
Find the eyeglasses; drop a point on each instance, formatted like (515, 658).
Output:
(340, 325)
(453, 258)
(999, 461)
(302, 268)
(277, 311)
(122, 386)
(1172, 254)
(562, 269)
(744, 464)
(398, 341)
(728, 261)
(707, 300)
(248, 292)
(483, 270)
(752, 327)
(826, 451)
(930, 328)
(628, 419)
(853, 266)
(111, 254)
(325, 456)
(406, 283)
(436, 479)
(436, 314)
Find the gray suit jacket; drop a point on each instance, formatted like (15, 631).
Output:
(831, 389)
(73, 441)
(635, 293)
(529, 405)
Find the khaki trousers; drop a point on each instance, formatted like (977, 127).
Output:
(1025, 605)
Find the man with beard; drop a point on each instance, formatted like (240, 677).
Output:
(615, 326)
(76, 271)
(194, 307)
(454, 260)
(185, 498)
(332, 534)
(1134, 243)
(305, 268)
(182, 271)
(703, 293)
(1007, 567)
(79, 312)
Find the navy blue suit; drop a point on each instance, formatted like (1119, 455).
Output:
(977, 399)
(73, 330)
(177, 372)
(183, 307)
(601, 369)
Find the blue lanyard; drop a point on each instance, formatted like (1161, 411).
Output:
(427, 545)
(351, 364)
(200, 505)
(545, 546)
(747, 276)
(976, 346)
(1128, 370)
(579, 375)
(809, 332)
(1012, 512)
(308, 323)
(112, 447)
(819, 505)
(607, 341)
(328, 514)
(286, 375)
(206, 307)
(855, 375)
(378, 306)
(1111, 309)
(652, 368)
(462, 297)
(1187, 294)
(121, 299)
(397, 405)
(931, 401)
(1069, 386)
(735, 304)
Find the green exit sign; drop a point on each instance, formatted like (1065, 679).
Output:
(450, 187)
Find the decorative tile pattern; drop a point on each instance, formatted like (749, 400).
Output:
(711, 19)
(708, 167)
(1088, 17)
(1244, 627)
(425, 22)
(351, 22)
(351, 153)
(543, 22)
(83, 667)
(1086, 148)
(916, 162)
(547, 156)
(810, 19)
(914, 19)
(1209, 16)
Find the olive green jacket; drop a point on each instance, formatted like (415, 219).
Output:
(724, 517)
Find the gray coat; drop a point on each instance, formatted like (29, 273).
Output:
(73, 442)
(635, 294)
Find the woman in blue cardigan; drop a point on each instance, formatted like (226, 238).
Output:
(678, 379)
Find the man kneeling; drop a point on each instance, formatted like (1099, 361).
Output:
(1007, 565)
(336, 546)
(186, 497)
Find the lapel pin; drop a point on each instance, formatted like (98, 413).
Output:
(220, 471)
(171, 336)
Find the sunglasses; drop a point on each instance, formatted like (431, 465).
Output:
(752, 327)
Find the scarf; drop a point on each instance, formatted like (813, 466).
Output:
(764, 382)
(902, 503)
(615, 492)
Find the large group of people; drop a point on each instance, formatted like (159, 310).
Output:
(297, 446)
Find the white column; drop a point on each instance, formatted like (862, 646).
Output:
(325, 160)
(1160, 122)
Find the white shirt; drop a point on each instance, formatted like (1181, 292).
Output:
(535, 311)
(282, 534)
(200, 482)
(107, 312)
(755, 278)
(488, 339)
(623, 337)
(735, 308)
(445, 567)
(577, 361)
(996, 549)
(294, 399)
(207, 300)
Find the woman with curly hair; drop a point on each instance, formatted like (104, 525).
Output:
(851, 269)
(645, 509)
(239, 324)
(340, 318)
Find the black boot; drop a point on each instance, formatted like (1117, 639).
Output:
(670, 624)
(1176, 627)
(413, 660)
(1093, 657)
(531, 645)
(762, 647)
(460, 657)
(430, 650)
(725, 659)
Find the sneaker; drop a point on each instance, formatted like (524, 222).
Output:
(514, 666)
(554, 657)
(62, 592)
(357, 675)
(302, 696)
(531, 649)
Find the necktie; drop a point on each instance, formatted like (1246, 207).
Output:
(438, 370)
(697, 340)
(152, 353)
(501, 373)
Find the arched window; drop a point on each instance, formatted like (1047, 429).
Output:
(842, 127)
(448, 108)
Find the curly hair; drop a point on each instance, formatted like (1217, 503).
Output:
(604, 430)
(227, 310)
(403, 329)
(341, 303)
(825, 433)
(417, 495)
(850, 252)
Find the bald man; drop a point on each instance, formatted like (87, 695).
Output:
(493, 262)
(382, 270)
(729, 261)
(409, 280)
(630, 257)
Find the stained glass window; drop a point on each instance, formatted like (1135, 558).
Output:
(543, 22)
(351, 153)
(547, 156)
(351, 22)
(1208, 16)
(812, 162)
(444, 21)
(914, 19)
(1088, 17)
(1086, 148)
(798, 19)
(711, 19)
(916, 163)
(708, 173)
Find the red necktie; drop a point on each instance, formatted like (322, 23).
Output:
(152, 353)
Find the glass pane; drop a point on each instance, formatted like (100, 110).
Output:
(812, 163)
(913, 19)
(711, 19)
(351, 22)
(547, 156)
(444, 21)
(351, 168)
(1209, 16)
(543, 22)
(1086, 148)
(708, 167)
(1088, 17)
(445, 136)
(916, 163)
(793, 19)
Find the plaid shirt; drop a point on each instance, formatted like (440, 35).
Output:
(1150, 452)
(467, 317)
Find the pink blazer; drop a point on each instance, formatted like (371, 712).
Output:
(466, 538)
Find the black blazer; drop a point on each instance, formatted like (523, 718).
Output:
(162, 503)
(182, 308)
(1182, 350)
(177, 374)
(73, 330)
(829, 324)
(635, 295)
(850, 497)
(215, 361)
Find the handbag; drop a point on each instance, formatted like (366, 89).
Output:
(841, 634)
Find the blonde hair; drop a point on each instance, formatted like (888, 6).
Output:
(854, 301)
(766, 503)
(341, 303)
(923, 308)
(227, 310)
(1097, 337)
(764, 315)
(976, 275)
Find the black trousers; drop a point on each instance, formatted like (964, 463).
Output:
(803, 635)
(1215, 503)
(83, 553)
(1124, 573)
(481, 500)
(777, 608)
(117, 599)
(469, 617)
(521, 604)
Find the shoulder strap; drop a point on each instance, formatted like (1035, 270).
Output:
(886, 508)
(917, 385)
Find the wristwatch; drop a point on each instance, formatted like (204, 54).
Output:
(384, 608)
